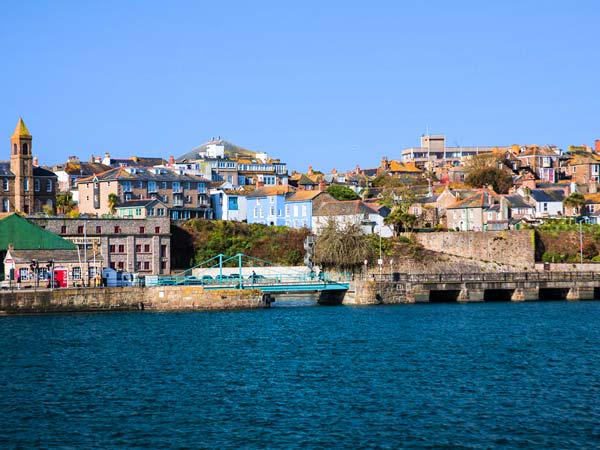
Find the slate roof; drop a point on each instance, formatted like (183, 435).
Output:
(516, 201)
(125, 174)
(37, 171)
(85, 168)
(41, 172)
(343, 208)
(535, 150)
(547, 196)
(481, 199)
(5, 169)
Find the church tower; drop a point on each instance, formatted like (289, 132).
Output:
(21, 165)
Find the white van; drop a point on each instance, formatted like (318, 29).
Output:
(116, 278)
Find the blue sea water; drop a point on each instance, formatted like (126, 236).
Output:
(493, 375)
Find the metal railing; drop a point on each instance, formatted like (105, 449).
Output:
(488, 277)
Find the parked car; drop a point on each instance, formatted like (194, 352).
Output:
(206, 279)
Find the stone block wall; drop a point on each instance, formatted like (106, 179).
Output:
(167, 298)
(515, 248)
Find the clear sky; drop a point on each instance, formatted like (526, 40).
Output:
(328, 84)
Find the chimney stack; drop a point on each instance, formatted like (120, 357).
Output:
(310, 170)
(322, 185)
(171, 160)
(35, 161)
(597, 145)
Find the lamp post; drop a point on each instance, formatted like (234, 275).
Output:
(580, 242)
(365, 271)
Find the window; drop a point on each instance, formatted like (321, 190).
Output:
(304, 211)
(255, 212)
(98, 229)
(142, 230)
(117, 229)
(146, 265)
(113, 265)
(5, 184)
(272, 211)
(80, 229)
(271, 199)
(165, 199)
(138, 248)
(201, 188)
(163, 251)
(112, 248)
(151, 186)
(140, 184)
(5, 205)
(287, 210)
(138, 266)
(591, 208)
(121, 248)
(163, 265)
(188, 185)
(63, 229)
(150, 212)
(146, 248)
(232, 203)
(164, 184)
(49, 186)
(25, 148)
(138, 211)
(295, 210)
(545, 207)
(76, 274)
(157, 230)
(121, 265)
(160, 211)
(176, 186)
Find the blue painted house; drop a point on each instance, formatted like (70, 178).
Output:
(299, 207)
(266, 205)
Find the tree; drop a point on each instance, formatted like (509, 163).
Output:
(575, 201)
(342, 247)
(484, 161)
(112, 202)
(399, 200)
(500, 181)
(342, 192)
(64, 202)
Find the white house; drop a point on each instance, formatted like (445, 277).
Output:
(369, 218)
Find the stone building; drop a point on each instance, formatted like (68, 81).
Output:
(130, 245)
(24, 186)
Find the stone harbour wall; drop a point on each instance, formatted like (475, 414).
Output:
(167, 298)
(514, 248)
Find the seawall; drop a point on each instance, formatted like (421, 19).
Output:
(514, 248)
(162, 298)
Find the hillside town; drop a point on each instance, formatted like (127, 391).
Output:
(116, 212)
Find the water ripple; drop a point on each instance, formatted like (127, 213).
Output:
(429, 376)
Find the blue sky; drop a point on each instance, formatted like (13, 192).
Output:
(328, 84)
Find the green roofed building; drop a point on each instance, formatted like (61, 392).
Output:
(22, 242)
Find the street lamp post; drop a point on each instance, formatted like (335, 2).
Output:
(580, 243)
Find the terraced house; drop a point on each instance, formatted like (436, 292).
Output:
(184, 196)
(24, 186)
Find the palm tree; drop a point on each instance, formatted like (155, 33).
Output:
(575, 201)
(112, 202)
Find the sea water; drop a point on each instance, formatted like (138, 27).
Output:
(491, 375)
